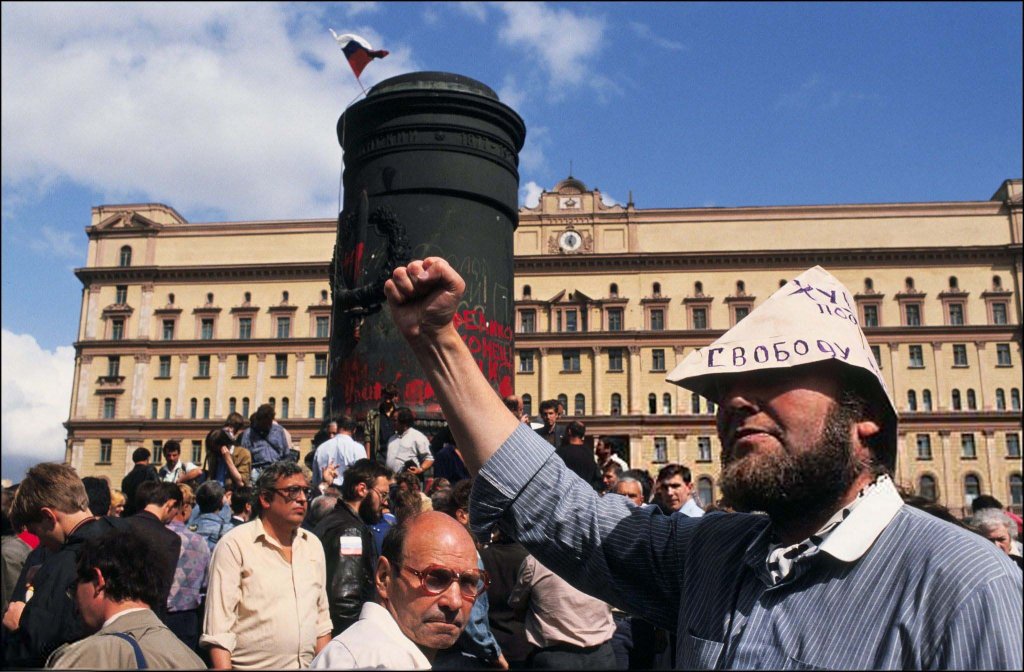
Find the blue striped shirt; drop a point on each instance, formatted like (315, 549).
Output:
(925, 595)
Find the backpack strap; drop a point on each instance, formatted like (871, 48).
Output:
(140, 660)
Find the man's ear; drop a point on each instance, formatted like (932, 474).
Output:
(462, 516)
(864, 432)
(382, 577)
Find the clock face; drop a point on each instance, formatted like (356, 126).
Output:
(570, 241)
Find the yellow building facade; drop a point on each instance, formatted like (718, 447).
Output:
(182, 323)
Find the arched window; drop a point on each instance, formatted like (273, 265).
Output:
(1000, 399)
(972, 488)
(273, 403)
(209, 298)
(245, 407)
(908, 284)
(323, 295)
(1015, 490)
(706, 491)
(167, 409)
(284, 296)
(527, 292)
(206, 408)
(323, 406)
(711, 407)
(782, 283)
(997, 282)
(926, 400)
(154, 408)
(616, 404)
(126, 256)
(527, 404)
(248, 297)
(926, 487)
(698, 288)
(957, 406)
(312, 407)
(564, 401)
(284, 407)
(972, 401)
(613, 290)
(741, 288)
(666, 403)
(193, 407)
(911, 400)
(869, 285)
(232, 405)
(656, 289)
(695, 403)
(579, 403)
(170, 299)
(1014, 399)
(652, 403)
(953, 282)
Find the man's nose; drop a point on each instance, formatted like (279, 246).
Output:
(452, 598)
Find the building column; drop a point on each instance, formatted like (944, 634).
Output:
(948, 482)
(93, 311)
(179, 411)
(680, 402)
(300, 373)
(938, 397)
(542, 375)
(145, 310)
(83, 386)
(901, 457)
(983, 403)
(261, 365)
(77, 455)
(129, 447)
(634, 380)
(597, 403)
(222, 370)
(138, 409)
(636, 456)
(990, 457)
(680, 448)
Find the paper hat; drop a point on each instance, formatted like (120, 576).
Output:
(811, 319)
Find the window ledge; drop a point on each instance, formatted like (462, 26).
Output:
(657, 371)
(1013, 457)
(279, 376)
(968, 457)
(239, 377)
(200, 377)
(319, 375)
(915, 366)
(1004, 366)
(570, 371)
(525, 373)
(924, 459)
(103, 464)
(161, 377)
(614, 370)
(961, 366)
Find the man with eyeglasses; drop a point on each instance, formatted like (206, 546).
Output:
(267, 606)
(427, 581)
(348, 542)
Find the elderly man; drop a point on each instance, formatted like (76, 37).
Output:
(115, 593)
(998, 528)
(631, 489)
(825, 579)
(266, 607)
(427, 581)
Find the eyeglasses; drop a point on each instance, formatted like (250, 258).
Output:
(291, 494)
(436, 579)
(383, 494)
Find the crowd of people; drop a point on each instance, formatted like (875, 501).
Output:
(498, 543)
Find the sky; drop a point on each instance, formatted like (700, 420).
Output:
(227, 111)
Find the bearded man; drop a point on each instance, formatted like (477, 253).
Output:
(839, 573)
(348, 541)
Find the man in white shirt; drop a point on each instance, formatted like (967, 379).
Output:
(427, 581)
(675, 491)
(341, 450)
(408, 445)
(177, 470)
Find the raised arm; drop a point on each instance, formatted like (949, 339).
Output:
(423, 297)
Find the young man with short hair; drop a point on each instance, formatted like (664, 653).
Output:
(160, 501)
(177, 470)
(141, 472)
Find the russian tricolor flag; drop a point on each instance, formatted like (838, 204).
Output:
(358, 51)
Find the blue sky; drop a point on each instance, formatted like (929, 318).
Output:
(226, 111)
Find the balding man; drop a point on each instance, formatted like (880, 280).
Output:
(427, 581)
(808, 429)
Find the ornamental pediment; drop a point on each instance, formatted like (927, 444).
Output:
(128, 219)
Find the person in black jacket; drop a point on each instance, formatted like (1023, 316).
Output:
(577, 456)
(142, 472)
(52, 503)
(160, 502)
(348, 541)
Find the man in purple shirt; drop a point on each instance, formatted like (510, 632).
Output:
(190, 576)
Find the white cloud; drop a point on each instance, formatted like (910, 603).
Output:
(476, 10)
(224, 107)
(511, 93)
(36, 396)
(357, 8)
(644, 32)
(59, 243)
(608, 199)
(531, 157)
(529, 194)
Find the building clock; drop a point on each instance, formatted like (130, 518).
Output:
(570, 241)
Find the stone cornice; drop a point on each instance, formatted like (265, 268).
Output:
(205, 273)
(131, 347)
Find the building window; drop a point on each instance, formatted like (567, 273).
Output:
(126, 256)
(1012, 445)
(740, 312)
(117, 330)
(206, 408)
(311, 408)
(666, 403)
(916, 357)
(972, 488)
(695, 403)
(700, 318)
(165, 366)
(616, 407)
(1000, 399)
(158, 448)
(1003, 354)
(924, 447)
(280, 365)
(1015, 491)
(571, 361)
(710, 410)
(193, 408)
(911, 400)
(273, 403)
(652, 403)
(703, 448)
(106, 448)
(167, 409)
(168, 330)
(955, 398)
(284, 327)
(705, 491)
(615, 319)
(528, 321)
(323, 326)
(109, 407)
(206, 328)
(657, 319)
(527, 404)
(154, 409)
(526, 361)
(570, 320)
(245, 328)
(232, 405)
(563, 401)
(613, 290)
(926, 400)
(959, 355)
(870, 315)
(972, 401)
(113, 366)
(656, 289)
(968, 451)
(876, 352)
(121, 295)
(320, 364)
(579, 404)
(999, 312)
(245, 407)
(657, 359)
(204, 366)
(284, 407)
(660, 449)
(1014, 399)
(926, 488)
(527, 292)
(197, 451)
(912, 314)
(956, 314)
(615, 359)
(241, 366)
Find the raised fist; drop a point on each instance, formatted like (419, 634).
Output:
(423, 297)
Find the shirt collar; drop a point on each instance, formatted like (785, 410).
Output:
(261, 533)
(385, 623)
(122, 613)
(854, 536)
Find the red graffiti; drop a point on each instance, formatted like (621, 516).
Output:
(352, 263)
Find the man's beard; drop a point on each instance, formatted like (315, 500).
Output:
(370, 511)
(797, 483)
